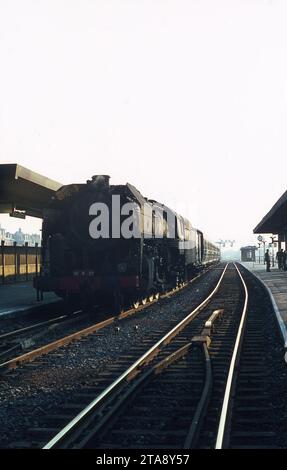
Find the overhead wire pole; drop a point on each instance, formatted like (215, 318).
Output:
(223, 243)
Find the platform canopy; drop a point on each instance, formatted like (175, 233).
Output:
(24, 192)
(275, 221)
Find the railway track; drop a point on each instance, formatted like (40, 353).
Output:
(208, 383)
(18, 339)
(253, 417)
(171, 396)
(23, 339)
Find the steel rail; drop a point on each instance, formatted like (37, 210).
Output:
(26, 329)
(29, 356)
(194, 429)
(280, 321)
(204, 341)
(232, 370)
(131, 371)
(123, 399)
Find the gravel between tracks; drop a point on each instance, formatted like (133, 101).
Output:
(35, 389)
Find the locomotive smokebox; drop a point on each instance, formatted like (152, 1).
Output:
(100, 181)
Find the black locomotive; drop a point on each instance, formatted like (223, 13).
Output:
(104, 241)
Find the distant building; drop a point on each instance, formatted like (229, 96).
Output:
(7, 237)
(248, 253)
(2, 233)
(19, 237)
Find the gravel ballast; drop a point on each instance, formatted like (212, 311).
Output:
(39, 387)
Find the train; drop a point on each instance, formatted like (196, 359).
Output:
(103, 241)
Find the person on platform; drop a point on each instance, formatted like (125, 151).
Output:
(280, 258)
(267, 261)
(284, 262)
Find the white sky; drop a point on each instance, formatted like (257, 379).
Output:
(187, 100)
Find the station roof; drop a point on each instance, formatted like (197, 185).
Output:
(24, 190)
(275, 221)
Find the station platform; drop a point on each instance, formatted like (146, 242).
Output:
(21, 297)
(276, 284)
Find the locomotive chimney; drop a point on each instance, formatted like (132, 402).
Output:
(100, 181)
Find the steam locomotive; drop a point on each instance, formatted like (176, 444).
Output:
(104, 241)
